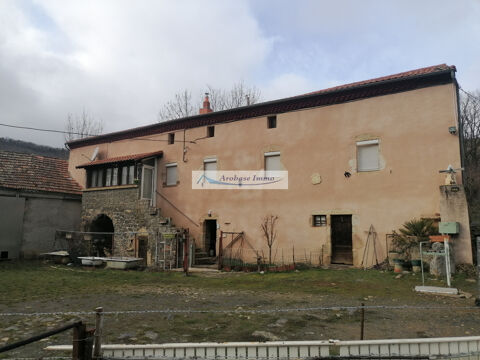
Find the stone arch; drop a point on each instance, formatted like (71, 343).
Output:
(102, 230)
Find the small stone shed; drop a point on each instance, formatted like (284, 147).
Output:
(37, 197)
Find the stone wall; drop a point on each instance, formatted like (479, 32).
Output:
(132, 218)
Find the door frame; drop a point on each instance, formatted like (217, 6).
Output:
(205, 232)
(332, 247)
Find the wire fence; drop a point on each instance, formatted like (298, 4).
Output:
(242, 310)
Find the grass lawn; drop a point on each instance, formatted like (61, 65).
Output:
(40, 287)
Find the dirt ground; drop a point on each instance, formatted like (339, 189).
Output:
(234, 293)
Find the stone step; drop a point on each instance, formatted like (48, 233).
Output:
(205, 260)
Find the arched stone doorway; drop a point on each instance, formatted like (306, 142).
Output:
(102, 237)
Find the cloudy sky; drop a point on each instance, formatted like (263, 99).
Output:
(121, 60)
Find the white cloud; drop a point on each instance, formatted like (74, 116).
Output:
(124, 59)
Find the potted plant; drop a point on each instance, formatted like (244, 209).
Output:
(406, 241)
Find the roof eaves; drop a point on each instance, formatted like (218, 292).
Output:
(138, 131)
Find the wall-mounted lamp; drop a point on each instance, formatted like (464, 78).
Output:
(209, 213)
(452, 130)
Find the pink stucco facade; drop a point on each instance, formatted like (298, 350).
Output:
(412, 129)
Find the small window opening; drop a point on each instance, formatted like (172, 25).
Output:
(210, 131)
(319, 220)
(171, 138)
(4, 255)
(272, 122)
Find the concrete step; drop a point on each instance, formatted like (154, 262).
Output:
(214, 267)
(205, 260)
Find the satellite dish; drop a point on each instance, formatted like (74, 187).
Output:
(94, 155)
(450, 170)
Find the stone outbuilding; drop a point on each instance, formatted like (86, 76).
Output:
(37, 197)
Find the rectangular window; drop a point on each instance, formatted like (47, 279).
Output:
(100, 178)
(93, 181)
(272, 122)
(124, 175)
(272, 161)
(115, 177)
(210, 131)
(368, 155)
(210, 165)
(108, 177)
(171, 176)
(147, 182)
(171, 138)
(319, 220)
(131, 174)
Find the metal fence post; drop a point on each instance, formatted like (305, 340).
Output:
(97, 341)
(362, 322)
(477, 300)
(220, 251)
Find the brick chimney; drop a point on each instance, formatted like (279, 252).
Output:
(206, 106)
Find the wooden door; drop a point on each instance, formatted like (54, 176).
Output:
(341, 231)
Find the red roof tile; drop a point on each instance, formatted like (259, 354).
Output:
(34, 172)
(402, 75)
(119, 159)
(405, 81)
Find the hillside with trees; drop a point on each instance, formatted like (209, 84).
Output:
(20, 146)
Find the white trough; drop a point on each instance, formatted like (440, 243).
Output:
(123, 263)
(91, 260)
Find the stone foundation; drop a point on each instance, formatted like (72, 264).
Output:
(136, 223)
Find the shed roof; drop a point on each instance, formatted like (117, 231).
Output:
(120, 159)
(36, 173)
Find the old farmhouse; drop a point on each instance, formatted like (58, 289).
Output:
(357, 155)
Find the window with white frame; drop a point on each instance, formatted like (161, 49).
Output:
(171, 174)
(272, 161)
(368, 155)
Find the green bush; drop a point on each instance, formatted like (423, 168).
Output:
(407, 239)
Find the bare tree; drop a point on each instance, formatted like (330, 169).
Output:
(470, 119)
(239, 95)
(181, 106)
(220, 99)
(270, 233)
(82, 126)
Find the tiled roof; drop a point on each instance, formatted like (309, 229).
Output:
(405, 81)
(402, 75)
(120, 159)
(34, 172)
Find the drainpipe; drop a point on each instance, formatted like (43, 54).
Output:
(460, 125)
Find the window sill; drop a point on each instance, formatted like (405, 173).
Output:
(117, 187)
(367, 171)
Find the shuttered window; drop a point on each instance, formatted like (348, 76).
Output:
(272, 162)
(171, 176)
(210, 165)
(368, 155)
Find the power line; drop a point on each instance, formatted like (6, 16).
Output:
(86, 135)
(44, 130)
(469, 94)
